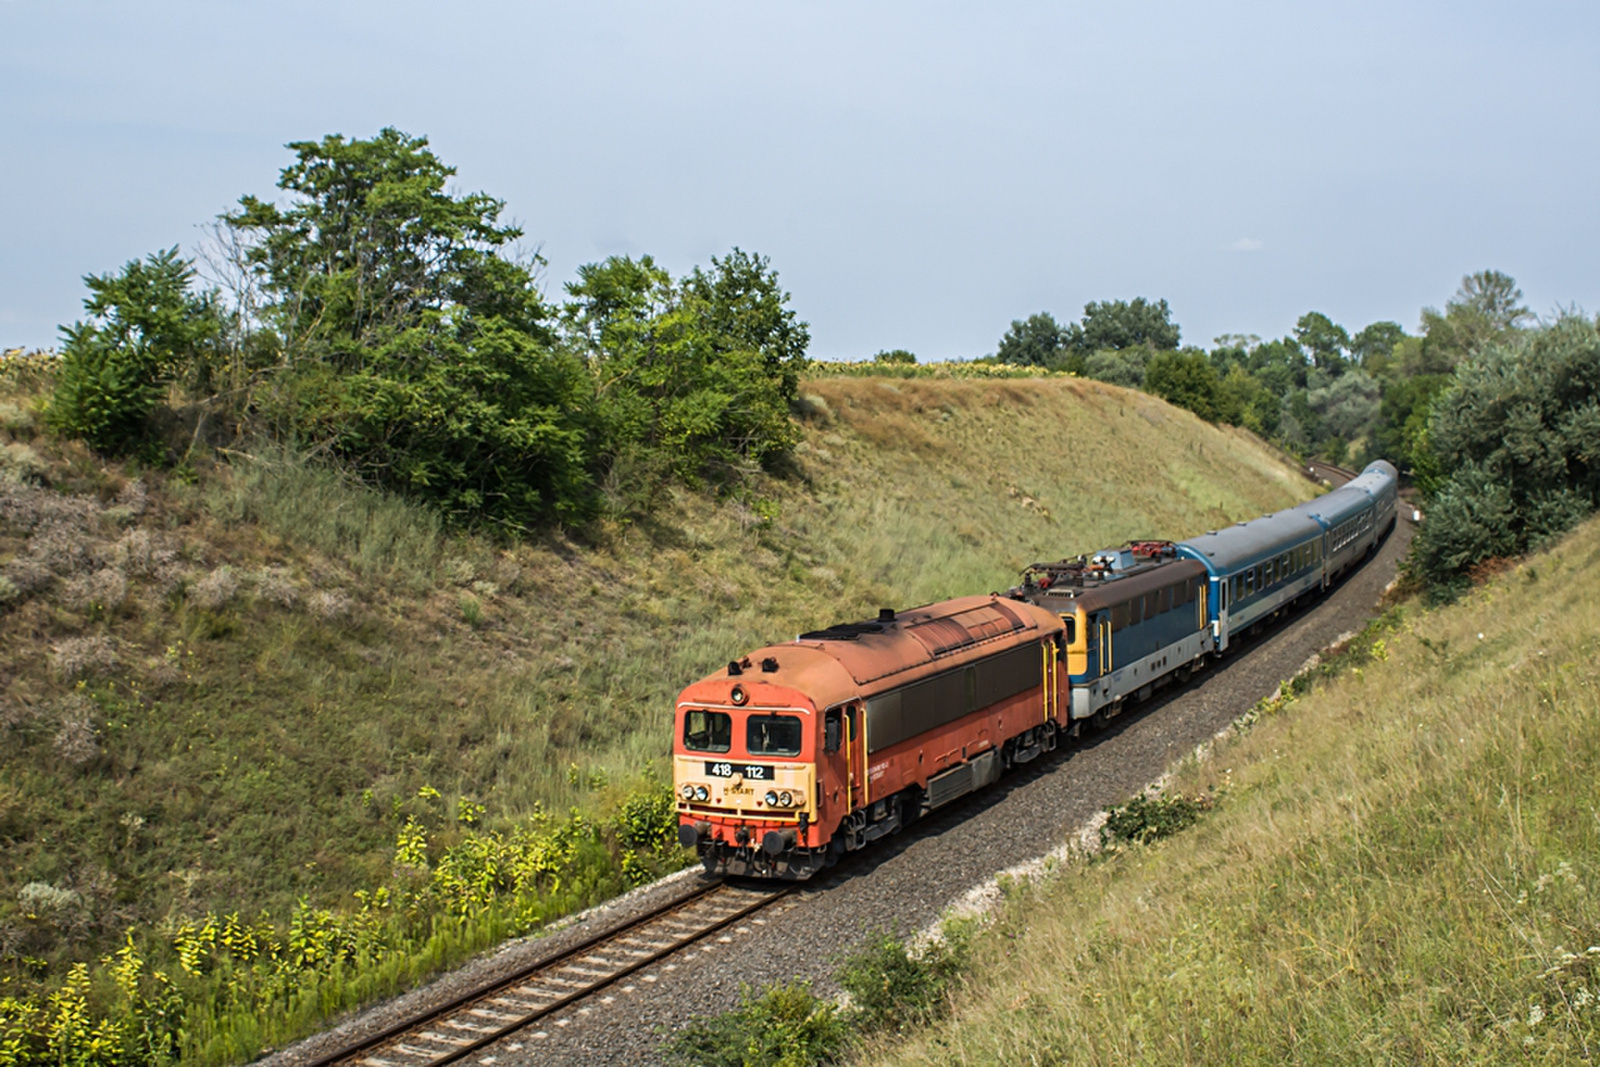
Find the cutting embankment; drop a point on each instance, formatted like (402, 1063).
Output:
(1403, 864)
(259, 690)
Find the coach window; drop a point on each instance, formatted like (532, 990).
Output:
(773, 735)
(707, 731)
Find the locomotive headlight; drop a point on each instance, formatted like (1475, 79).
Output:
(701, 792)
(687, 792)
(786, 798)
(771, 798)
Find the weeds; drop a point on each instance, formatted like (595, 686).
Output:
(889, 989)
(1145, 819)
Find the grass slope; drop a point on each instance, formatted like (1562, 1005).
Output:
(1402, 867)
(227, 693)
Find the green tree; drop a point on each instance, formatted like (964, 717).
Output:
(1036, 341)
(1119, 324)
(147, 327)
(1244, 401)
(414, 346)
(1518, 431)
(1187, 379)
(1485, 311)
(700, 374)
(1348, 410)
(898, 355)
(370, 240)
(1375, 344)
(1325, 340)
(1124, 367)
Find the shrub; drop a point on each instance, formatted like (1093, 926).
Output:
(1519, 431)
(787, 1026)
(1145, 819)
(146, 323)
(893, 989)
(78, 657)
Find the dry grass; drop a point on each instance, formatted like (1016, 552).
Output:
(1403, 867)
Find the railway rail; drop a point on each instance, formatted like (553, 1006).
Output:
(451, 1032)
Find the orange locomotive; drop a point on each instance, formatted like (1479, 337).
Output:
(800, 752)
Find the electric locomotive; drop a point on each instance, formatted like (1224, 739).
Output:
(1133, 618)
(800, 752)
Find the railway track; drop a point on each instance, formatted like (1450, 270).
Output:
(451, 1032)
(1328, 473)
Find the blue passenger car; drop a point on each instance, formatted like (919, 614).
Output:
(1257, 567)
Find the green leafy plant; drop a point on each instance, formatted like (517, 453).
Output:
(1145, 819)
(146, 327)
(786, 1026)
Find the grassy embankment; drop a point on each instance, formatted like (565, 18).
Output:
(1402, 866)
(229, 693)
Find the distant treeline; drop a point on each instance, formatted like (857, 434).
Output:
(1496, 417)
(373, 316)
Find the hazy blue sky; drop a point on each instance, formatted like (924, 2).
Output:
(920, 174)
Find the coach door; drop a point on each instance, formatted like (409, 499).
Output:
(1100, 644)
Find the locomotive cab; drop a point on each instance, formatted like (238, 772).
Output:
(745, 778)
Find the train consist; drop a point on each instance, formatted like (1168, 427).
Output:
(800, 752)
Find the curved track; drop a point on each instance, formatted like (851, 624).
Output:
(449, 1032)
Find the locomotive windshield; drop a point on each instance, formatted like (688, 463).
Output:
(773, 735)
(707, 731)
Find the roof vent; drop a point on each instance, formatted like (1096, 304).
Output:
(886, 615)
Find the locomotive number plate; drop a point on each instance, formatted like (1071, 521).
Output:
(754, 772)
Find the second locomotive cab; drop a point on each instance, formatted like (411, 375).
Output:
(800, 752)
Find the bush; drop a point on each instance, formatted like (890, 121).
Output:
(146, 326)
(1519, 431)
(787, 1026)
(893, 990)
(1185, 378)
(487, 424)
(1146, 819)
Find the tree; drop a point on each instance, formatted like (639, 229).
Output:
(898, 355)
(1485, 311)
(1518, 432)
(415, 348)
(370, 240)
(1376, 342)
(147, 327)
(1033, 342)
(700, 372)
(1119, 324)
(1348, 410)
(1185, 378)
(1325, 340)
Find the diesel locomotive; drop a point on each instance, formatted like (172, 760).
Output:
(800, 752)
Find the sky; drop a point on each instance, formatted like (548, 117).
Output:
(919, 173)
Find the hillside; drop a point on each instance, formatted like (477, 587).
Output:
(232, 690)
(1401, 866)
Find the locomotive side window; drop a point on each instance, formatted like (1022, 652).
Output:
(1071, 623)
(773, 735)
(832, 729)
(707, 731)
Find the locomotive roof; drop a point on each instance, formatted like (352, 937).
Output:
(1244, 544)
(862, 658)
(1091, 589)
